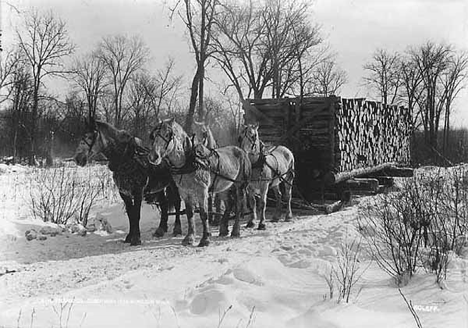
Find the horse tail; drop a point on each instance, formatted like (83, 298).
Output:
(168, 196)
(172, 196)
(247, 168)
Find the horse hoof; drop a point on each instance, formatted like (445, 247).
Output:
(274, 220)
(135, 242)
(223, 233)
(235, 234)
(176, 232)
(288, 219)
(204, 243)
(214, 223)
(188, 241)
(159, 232)
(261, 226)
(250, 224)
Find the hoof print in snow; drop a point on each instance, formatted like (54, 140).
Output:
(31, 234)
(78, 229)
(50, 231)
(99, 223)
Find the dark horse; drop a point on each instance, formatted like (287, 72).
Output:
(133, 174)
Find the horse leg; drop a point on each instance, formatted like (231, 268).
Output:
(252, 204)
(128, 208)
(190, 237)
(214, 217)
(177, 225)
(224, 224)
(277, 192)
(133, 212)
(288, 193)
(240, 201)
(203, 205)
(162, 229)
(210, 210)
(263, 203)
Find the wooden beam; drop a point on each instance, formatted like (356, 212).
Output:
(386, 169)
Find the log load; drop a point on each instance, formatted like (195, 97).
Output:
(332, 138)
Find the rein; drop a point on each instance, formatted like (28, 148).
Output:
(93, 140)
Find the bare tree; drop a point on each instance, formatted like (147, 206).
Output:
(328, 78)
(142, 97)
(266, 45)
(432, 61)
(123, 57)
(239, 49)
(21, 90)
(168, 86)
(12, 60)
(89, 72)
(198, 17)
(289, 37)
(44, 43)
(452, 83)
(384, 75)
(411, 88)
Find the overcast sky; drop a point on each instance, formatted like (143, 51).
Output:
(353, 28)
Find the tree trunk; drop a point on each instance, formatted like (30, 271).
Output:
(32, 127)
(193, 102)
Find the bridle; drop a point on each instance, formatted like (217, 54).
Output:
(253, 140)
(153, 136)
(93, 140)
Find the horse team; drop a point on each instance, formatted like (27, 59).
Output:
(178, 167)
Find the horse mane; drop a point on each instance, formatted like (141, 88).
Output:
(109, 130)
(211, 141)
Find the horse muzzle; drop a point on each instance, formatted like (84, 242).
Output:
(154, 158)
(81, 160)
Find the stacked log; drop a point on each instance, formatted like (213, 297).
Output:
(333, 135)
(370, 134)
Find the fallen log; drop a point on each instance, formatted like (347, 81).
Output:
(386, 169)
(362, 184)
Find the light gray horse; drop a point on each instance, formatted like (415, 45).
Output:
(270, 169)
(205, 135)
(198, 171)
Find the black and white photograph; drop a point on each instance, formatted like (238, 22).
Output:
(233, 163)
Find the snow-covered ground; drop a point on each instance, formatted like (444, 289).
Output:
(272, 278)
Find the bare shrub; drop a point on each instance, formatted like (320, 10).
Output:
(347, 270)
(59, 194)
(411, 309)
(421, 224)
(392, 225)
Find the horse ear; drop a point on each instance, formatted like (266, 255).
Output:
(171, 121)
(187, 143)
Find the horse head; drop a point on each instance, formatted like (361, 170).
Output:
(204, 134)
(248, 138)
(166, 138)
(89, 145)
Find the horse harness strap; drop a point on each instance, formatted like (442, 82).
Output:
(262, 162)
(205, 164)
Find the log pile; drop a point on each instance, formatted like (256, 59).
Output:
(332, 137)
(370, 134)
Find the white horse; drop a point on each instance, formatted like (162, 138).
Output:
(197, 171)
(270, 169)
